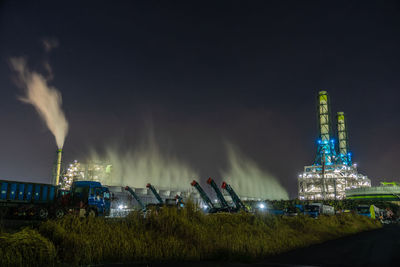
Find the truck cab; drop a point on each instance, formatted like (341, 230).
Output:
(91, 196)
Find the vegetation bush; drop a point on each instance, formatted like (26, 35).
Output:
(189, 234)
(26, 248)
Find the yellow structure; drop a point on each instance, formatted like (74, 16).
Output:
(58, 170)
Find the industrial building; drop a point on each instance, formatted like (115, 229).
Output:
(91, 171)
(102, 172)
(333, 171)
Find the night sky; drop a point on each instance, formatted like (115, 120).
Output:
(199, 74)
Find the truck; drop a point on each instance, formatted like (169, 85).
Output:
(316, 209)
(370, 211)
(37, 200)
(294, 210)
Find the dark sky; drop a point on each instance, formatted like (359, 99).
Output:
(204, 72)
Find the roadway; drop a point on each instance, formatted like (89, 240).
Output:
(374, 248)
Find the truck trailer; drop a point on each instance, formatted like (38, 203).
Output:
(36, 200)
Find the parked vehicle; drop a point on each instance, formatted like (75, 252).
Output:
(94, 198)
(275, 212)
(294, 210)
(370, 211)
(316, 209)
(35, 200)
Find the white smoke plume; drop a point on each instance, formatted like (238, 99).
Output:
(45, 98)
(49, 44)
(248, 180)
(147, 164)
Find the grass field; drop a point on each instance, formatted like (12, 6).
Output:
(171, 235)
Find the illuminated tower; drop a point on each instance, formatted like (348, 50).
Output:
(326, 153)
(332, 172)
(343, 150)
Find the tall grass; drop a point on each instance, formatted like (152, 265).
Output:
(26, 248)
(188, 234)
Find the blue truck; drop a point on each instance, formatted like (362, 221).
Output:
(36, 200)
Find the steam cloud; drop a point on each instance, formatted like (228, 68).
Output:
(146, 165)
(149, 165)
(49, 44)
(46, 99)
(248, 180)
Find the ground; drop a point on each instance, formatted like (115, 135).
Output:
(373, 248)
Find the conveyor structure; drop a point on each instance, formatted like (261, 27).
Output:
(235, 198)
(220, 197)
(154, 191)
(136, 197)
(203, 195)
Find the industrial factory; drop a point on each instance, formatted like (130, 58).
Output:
(333, 171)
(91, 171)
(102, 172)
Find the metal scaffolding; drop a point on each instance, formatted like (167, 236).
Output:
(331, 183)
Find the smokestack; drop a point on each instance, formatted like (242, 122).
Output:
(58, 168)
(323, 116)
(343, 139)
(326, 145)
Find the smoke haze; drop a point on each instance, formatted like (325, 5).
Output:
(147, 164)
(45, 98)
(249, 180)
(49, 44)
